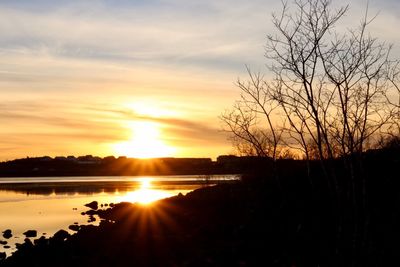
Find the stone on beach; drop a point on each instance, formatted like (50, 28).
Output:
(74, 227)
(91, 219)
(61, 235)
(30, 233)
(41, 241)
(93, 205)
(7, 234)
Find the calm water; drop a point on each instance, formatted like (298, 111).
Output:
(48, 204)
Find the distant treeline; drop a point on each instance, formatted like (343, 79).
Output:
(95, 166)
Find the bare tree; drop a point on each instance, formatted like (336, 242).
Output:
(333, 85)
(334, 91)
(394, 100)
(252, 121)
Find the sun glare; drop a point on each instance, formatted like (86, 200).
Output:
(145, 194)
(146, 142)
(150, 109)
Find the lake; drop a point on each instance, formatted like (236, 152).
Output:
(48, 204)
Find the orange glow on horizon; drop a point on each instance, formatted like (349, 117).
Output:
(146, 142)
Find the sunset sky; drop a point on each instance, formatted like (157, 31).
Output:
(125, 77)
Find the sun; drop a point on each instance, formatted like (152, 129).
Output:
(146, 142)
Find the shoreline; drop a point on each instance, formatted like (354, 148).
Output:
(109, 230)
(63, 203)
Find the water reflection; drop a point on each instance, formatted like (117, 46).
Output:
(50, 204)
(70, 186)
(146, 193)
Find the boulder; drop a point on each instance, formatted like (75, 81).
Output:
(28, 243)
(61, 235)
(93, 205)
(91, 219)
(91, 212)
(7, 234)
(30, 233)
(41, 241)
(74, 227)
(3, 255)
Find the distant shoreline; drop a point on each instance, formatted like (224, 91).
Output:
(119, 178)
(111, 166)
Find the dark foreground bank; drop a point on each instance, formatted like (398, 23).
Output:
(260, 222)
(208, 227)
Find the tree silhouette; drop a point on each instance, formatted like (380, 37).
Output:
(329, 95)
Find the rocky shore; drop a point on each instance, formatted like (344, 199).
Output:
(208, 227)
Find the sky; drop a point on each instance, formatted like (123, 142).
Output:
(139, 78)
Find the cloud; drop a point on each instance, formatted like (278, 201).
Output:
(68, 68)
(38, 120)
(218, 35)
(176, 130)
(165, 32)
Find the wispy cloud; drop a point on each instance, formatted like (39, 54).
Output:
(179, 131)
(165, 32)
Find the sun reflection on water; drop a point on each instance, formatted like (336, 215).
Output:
(145, 194)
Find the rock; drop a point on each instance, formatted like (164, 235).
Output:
(3, 242)
(41, 241)
(6, 247)
(61, 235)
(74, 227)
(83, 213)
(91, 219)
(28, 242)
(93, 205)
(30, 233)
(3, 255)
(91, 212)
(7, 234)
(76, 223)
(26, 245)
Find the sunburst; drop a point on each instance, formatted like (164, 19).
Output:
(146, 142)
